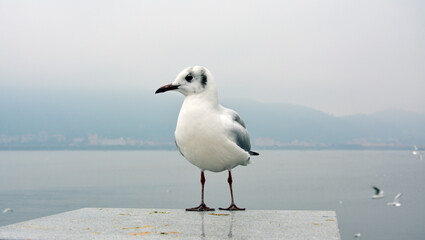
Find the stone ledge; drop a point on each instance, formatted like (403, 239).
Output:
(127, 223)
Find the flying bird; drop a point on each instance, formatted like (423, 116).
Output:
(378, 193)
(396, 201)
(417, 152)
(208, 135)
(7, 210)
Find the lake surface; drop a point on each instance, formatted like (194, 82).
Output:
(41, 183)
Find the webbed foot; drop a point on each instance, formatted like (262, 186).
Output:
(200, 208)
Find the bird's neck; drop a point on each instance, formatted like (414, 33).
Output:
(207, 99)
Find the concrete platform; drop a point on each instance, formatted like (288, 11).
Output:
(125, 223)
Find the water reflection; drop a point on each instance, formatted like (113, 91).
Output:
(230, 234)
(226, 216)
(203, 224)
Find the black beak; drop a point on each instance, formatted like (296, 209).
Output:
(167, 87)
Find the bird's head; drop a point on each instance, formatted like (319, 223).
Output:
(190, 81)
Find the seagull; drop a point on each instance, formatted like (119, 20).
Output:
(208, 135)
(8, 210)
(378, 193)
(396, 202)
(357, 235)
(417, 152)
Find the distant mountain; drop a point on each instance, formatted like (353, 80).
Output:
(151, 117)
(389, 126)
(287, 122)
(75, 114)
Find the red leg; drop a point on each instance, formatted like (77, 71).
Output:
(202, 206)
(232, 206)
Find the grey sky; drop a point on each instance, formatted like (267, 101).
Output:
(341, 57)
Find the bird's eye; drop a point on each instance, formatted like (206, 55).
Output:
(188, 78)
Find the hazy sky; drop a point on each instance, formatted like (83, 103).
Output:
(341, 57)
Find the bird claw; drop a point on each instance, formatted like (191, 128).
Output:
(233, 207)
(200, 208)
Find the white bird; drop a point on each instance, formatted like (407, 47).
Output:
(378, 193)
(208, 135)
(396, 201)
(415, 150)
(8, 210)
(357, 235)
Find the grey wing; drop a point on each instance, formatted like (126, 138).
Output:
(376, 190)
(397, 197)
(238, 132)
(242, 138)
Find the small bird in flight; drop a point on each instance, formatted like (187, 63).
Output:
(7, 210)
(378, 193)
(396, 202)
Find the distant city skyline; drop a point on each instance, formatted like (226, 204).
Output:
(44, 140)
(340, 57)
(86, 120)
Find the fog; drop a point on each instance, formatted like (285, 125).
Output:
(340, 57)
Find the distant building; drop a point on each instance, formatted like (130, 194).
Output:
(93, 139)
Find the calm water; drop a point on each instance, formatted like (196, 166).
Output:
(38, 183)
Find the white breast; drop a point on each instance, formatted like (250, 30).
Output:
(201, 138)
